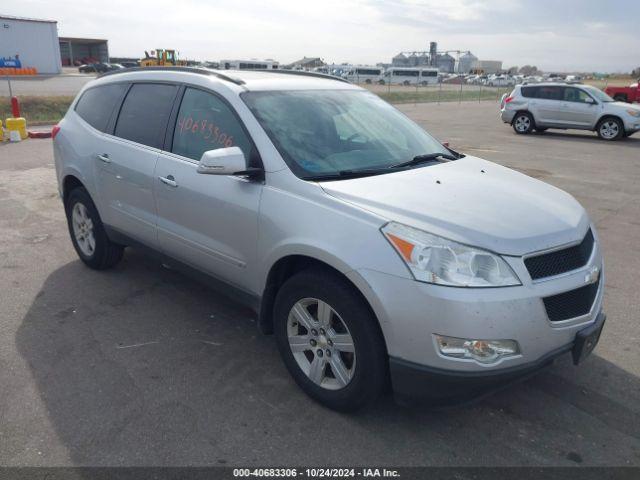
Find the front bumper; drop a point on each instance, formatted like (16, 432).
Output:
(631, 124)
(414, 383)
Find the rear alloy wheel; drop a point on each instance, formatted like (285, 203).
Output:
(523, 123)
(610, 129)
(87, 232)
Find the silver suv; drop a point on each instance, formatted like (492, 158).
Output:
(371, 251)
(552, 105)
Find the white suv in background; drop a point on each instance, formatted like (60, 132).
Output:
(370, 250)
(553, 105)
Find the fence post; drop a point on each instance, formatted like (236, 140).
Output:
(439, 89)
(9, 83)
(460, 95)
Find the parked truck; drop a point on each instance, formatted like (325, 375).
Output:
(628, 94)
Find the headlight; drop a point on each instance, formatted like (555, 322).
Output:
(634, 113)
(434, 259)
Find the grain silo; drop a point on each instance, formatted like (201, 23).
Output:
(467, 62)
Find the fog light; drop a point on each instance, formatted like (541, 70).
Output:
(483, 351)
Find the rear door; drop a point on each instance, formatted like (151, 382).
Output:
(546, 107)
(207, 221)
(128, 160)
(96, 109)
(577, 111)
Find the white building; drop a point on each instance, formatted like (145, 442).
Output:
(34, 41)
(489, 66)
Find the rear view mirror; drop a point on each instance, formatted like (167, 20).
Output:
(227, 161)
(222, 161)
(589, 100)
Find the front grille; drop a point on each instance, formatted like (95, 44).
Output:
(561, 261)
(571, 304)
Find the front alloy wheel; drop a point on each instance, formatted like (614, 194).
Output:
(610, 129)
(329, 339)
(321, 343)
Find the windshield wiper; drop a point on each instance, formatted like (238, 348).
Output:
(345, 174)
(424, 158)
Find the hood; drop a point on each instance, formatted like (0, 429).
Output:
(471, 201)
(624, 106)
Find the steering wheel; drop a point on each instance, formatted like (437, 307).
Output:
(356, 135)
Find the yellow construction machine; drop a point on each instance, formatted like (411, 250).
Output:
(161, 57)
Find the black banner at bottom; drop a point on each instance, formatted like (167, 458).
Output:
(406, 473)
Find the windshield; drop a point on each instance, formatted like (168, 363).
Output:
(599, 94)
(329, 132)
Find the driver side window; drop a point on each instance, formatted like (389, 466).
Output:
(204, 123)
(576, 95)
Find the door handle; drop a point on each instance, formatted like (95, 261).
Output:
(104, 157)
(169, 180)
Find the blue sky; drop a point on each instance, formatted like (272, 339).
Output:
(563, 35)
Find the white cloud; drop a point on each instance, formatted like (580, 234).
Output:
(364, 31)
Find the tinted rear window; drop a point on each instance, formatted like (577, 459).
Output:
(550, 93)
(144, 113)
(97, 104)
(543, 92)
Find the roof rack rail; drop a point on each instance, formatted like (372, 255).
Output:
(303, 73)
(201, 71)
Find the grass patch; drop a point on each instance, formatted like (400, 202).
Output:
(436, 95)
(38, 110)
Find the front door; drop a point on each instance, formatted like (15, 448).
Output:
(579, 108)
(207, 221)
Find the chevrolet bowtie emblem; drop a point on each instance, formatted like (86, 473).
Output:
(592, 275)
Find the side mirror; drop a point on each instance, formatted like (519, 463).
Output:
(226, 161)
(589, 101)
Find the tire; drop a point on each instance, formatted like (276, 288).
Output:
(368, 81)
(406, 83)
(523, 123)
(610, 129)
(361, 370)
(88, 234)
(381, 82)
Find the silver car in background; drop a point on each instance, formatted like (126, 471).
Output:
(371, 251)
(568, 106)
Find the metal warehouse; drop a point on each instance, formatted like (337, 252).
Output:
(35, 42)
(76, 51)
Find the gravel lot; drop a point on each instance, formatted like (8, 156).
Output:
(143, 366)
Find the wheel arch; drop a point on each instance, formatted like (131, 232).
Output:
(69, 183)
(72, 179)
(609, 115)
(522, 110)
(287, 266)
